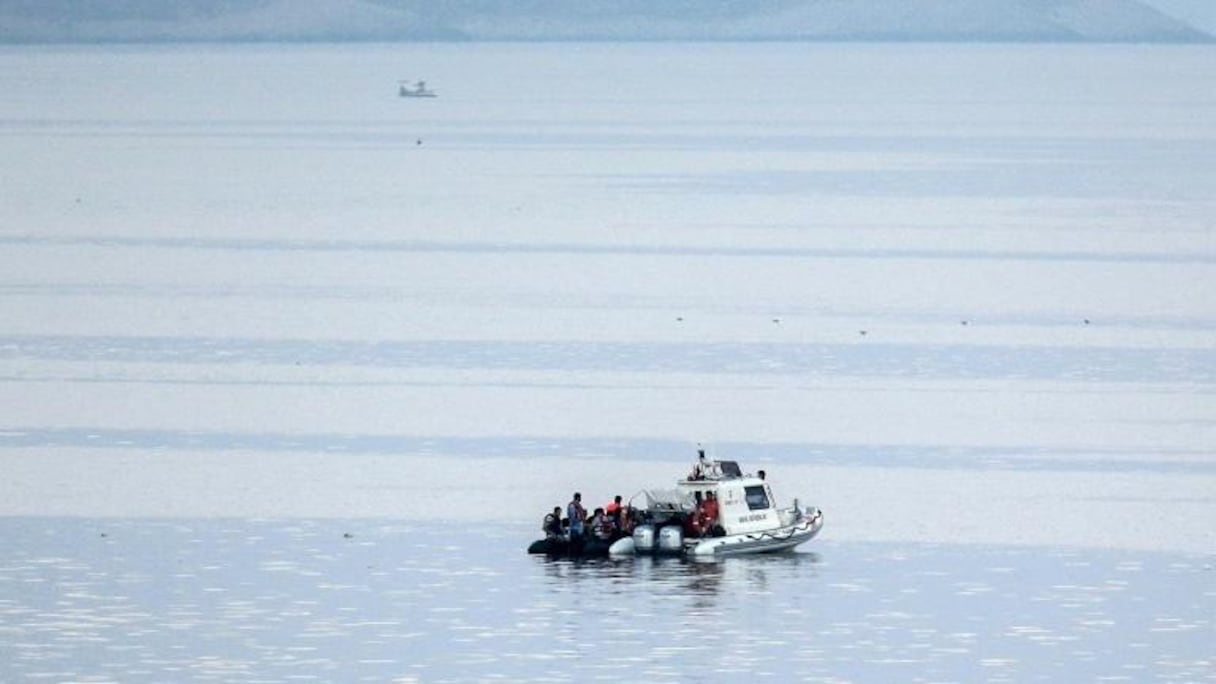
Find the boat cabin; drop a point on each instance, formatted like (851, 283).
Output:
(745, 502)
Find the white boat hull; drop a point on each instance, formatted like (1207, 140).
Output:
(767, 541)
(625, 546)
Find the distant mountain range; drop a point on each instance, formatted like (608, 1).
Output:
(56, 21)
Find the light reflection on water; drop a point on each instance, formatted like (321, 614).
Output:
(359, 600)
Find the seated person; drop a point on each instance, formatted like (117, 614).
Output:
(600, 525)
(552, 526)
(608, 528)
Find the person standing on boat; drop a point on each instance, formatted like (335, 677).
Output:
(709, 512)
(614, 510)
(578, 517)
(692, 524)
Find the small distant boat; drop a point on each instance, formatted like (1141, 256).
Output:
(418, 90)
(745, 519)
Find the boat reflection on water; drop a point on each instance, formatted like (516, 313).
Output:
(675, 578)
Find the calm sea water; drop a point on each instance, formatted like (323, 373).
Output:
(376, 601)
(290, 367)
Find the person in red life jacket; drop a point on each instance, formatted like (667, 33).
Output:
(614, 510)
(693, 526)
(709, 512)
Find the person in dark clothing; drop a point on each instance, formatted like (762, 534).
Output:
(552, 526)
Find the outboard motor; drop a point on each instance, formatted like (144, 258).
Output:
(671, 539)
(643, 538)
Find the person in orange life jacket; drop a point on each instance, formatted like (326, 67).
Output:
(614, 510)
(578, 516)
(709, 512)
(692, 526)
(552, 526)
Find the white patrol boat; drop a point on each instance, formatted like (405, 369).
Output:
(746, 520)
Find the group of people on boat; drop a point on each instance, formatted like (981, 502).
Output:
(703, 522)
(578, 533)
(715, 510)
(605, 525)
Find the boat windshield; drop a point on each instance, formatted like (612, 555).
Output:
(757, 498)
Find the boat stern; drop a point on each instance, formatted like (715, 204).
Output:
(769, 541)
